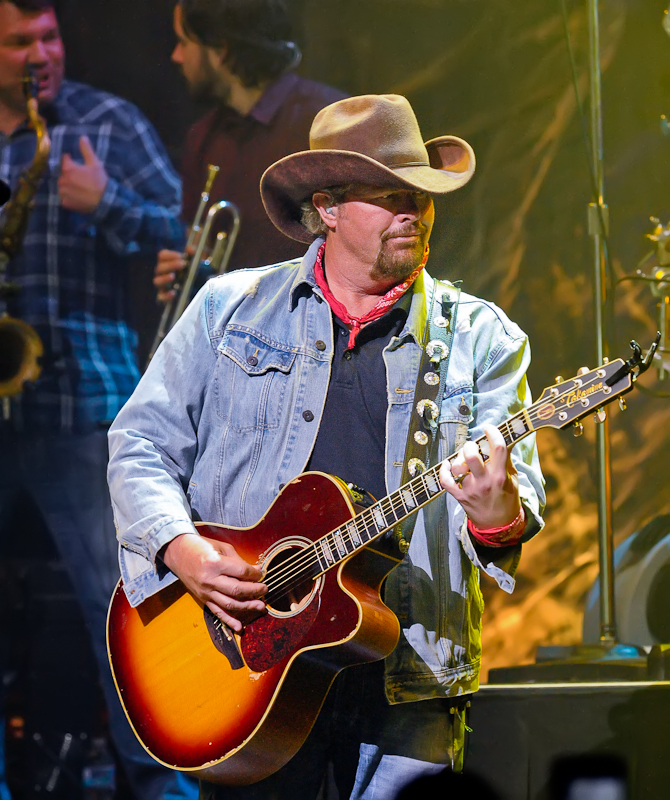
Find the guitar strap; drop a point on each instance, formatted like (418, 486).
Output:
(422, 448)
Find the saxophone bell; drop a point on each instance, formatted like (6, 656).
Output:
(20, 351)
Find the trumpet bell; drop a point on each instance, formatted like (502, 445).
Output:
(20, 351)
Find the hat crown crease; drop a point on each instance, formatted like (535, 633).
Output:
(382, 128)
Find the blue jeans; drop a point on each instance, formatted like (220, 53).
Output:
(375, 749)
(65, 476)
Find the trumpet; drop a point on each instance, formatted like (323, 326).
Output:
(217, 260)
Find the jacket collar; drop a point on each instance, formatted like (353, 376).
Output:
(421, 290)
(305, 275)
(273, 98)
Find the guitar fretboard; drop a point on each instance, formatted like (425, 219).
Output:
(407, 500)
(337, 545)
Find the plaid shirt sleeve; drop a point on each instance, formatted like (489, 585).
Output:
(139, 210)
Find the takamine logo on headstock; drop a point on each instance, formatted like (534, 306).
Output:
(590, 390)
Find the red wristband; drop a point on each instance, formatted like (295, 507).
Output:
(504, 536)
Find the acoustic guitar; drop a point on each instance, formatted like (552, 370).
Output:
(232, 708)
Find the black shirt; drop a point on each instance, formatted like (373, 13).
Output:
(351, 442)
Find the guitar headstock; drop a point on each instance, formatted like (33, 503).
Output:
(590, 390)
(568, 401)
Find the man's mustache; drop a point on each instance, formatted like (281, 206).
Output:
(413, 229)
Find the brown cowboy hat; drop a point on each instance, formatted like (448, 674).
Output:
(373, 140)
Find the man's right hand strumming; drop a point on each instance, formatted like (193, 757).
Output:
(214, 574)
(170, 264)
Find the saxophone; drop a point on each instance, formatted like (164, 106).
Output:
(20, 345)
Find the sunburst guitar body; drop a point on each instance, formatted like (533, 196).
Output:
(233, 709)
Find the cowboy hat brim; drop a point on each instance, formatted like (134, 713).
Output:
(293, 179)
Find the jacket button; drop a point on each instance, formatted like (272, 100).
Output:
(320, 345)
(307, 416)
(252, 360)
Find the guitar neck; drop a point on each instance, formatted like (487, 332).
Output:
(558, 406)
(396, 507)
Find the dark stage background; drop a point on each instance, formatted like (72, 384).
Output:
(496, 73)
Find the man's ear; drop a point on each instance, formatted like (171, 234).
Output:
(217, 56)
(327, 210)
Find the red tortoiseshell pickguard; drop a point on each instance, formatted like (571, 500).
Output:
(269, 640)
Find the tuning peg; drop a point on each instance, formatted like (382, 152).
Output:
(558, 379)
(600, 415)
(577, 428)
(583, 370)
(622, 403)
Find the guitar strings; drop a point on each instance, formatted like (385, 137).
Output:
(297, 569)
(309, 557)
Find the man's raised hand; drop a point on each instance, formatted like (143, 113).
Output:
(81, 185)
(170, 263)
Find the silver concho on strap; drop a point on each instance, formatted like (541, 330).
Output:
(437, 350)
(431, 378)
(433, 410)
(415, 466)
(420, 437)
(441, 322)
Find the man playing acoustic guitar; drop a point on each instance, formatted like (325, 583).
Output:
(312, 365)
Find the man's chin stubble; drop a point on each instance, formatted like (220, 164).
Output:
(399, 265)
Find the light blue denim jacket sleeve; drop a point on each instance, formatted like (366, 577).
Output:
(217, 425)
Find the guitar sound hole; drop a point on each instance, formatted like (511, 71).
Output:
(291, 586)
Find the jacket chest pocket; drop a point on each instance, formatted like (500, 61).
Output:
(455, 416)
(252, 377)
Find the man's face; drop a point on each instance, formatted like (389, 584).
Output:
(198, 64)
(387, 228)
(29, 38)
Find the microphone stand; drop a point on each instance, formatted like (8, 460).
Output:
(608, 659)
(598, 219)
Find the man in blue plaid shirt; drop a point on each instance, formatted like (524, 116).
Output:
(109, 193)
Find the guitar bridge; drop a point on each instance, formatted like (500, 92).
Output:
(223, 639)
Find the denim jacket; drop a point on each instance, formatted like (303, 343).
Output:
(219, 423)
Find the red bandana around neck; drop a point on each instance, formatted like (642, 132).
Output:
(378, 311)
